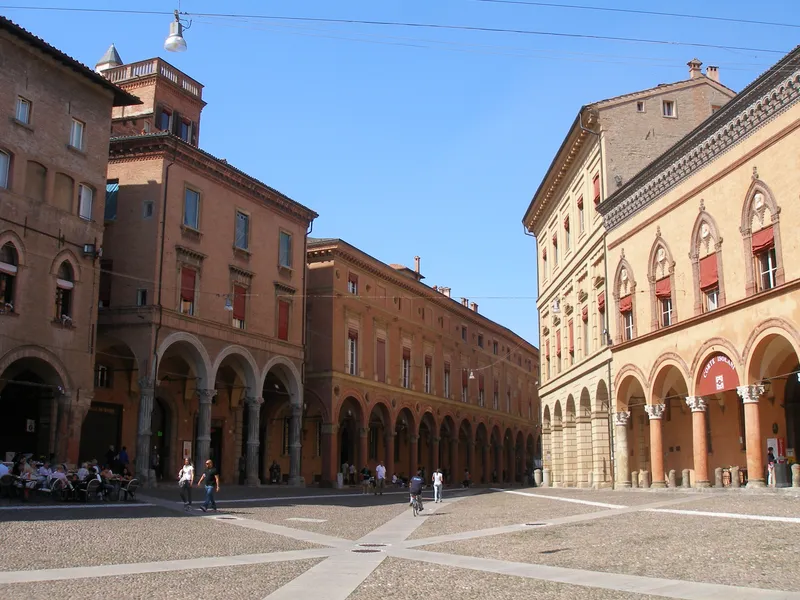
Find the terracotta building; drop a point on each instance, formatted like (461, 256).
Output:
(401, 373)
(704, 295)
(55, 118)
(201, 326)
(607, 144)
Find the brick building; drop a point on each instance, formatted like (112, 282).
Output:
(55, 118)
(607, 144)
(398, 371)
(201, 326)
(704, 296)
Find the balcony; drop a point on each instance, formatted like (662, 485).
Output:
(154, 66)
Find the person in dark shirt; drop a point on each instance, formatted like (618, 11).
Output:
(415, 488)
(366, 475)
(211, 478)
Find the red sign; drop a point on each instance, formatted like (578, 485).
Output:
(718, 375)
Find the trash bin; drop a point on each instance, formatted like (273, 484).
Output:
(782, 478)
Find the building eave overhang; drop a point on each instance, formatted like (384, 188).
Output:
(768, 96)
(126, 148)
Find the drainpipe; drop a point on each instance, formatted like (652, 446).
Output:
(154, 369)
(304, 337)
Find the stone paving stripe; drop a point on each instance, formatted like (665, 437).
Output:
(30, 576)
(307, 520)
(311, 498)
(701, 513)
(669, 588)
(572, 500)
(74, 506)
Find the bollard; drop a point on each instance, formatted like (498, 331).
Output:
(537, 477)
(735, 477)
(795, 475)
(546, 477)
(718, 477)
(672, 478)
(644, 479)
(634, 479)
(685, 479)
(590, 479)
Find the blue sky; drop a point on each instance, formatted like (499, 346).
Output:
(417, 141)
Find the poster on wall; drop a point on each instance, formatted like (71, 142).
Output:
(187, 449)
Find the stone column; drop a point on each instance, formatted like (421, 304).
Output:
(434, 455)
(455, 471)
(363, 448)
(330, 458)
(389, 452)
(78, 412)
(62, 425)
(750, 395)
(253, 443)
(146, 397)
(584, 447)
(698, 405)
(413, 441)
(205, 398)
(485, 467)
(470, 466)
(498, 462)
(623, 474)
(296, 445)
(655, 412)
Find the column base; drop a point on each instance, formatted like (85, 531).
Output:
(702, 484)
(756, 483)
(624, 484)
(298, 481)
(658, 484)
(254, 482)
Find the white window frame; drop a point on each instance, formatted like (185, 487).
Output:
(77, 134)
(641, 106)
(148, 206)
(5, 169)
(447, 383)
(406, 373)
(352, 287)
(567, 239)
(586, 340)
(496, 400)
(428, 379)
(23, 110)
(712, 299)
(665, 307)
(581, 215)
(669, 109)
(242, 218)
(141, 297)
(481, 398)
(555, 255)
(285, 255)
(85, 201)
(352, 355)
(627, 321)
(195, 197)
(767, 268)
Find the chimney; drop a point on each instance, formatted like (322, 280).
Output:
(694, 68)
(464, 302)
(474, 306)
(712, 73)
(416, 264)
(436, 288)
(445, 291)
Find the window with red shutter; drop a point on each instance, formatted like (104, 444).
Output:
(239, 306)
(601, 302)
(596, 188)
(571, 338)
(188, 283)
(283, 319)
(709, 277)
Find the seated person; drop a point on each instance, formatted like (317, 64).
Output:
(394, 478)
(83, 472)
(45, 470)
(106, 485)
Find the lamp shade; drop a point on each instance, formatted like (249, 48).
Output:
(175, 41)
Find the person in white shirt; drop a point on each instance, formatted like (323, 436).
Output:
(82, 472)
(380, 473)
(438, 480)
(185, 481)
(45, 470)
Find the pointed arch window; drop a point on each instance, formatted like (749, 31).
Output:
(706, 256)
(661, 276)
(761, 236)
(9, 262)
(65, 286)
(625, 296)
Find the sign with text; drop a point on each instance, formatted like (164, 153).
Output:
(718, 375)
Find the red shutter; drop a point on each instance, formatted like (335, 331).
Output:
(447, 367)
(544, 253)
(428, 361)
(566, 223)
(547, 349)
(625, 303)
(381, 352)
(571, 339)
(464, 378)
(580, 202)
(406, 354)
(480, 382)
(283, 320)
(555, 239)
(601, 302)
(585, 313)
(558, 343)
(663, 288)
(188, 278)
(763, 240)
(709, 278)
(352, 278)
(352, 334)
(239, 302)
(596, 186)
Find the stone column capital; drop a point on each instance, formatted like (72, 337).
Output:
(697, 403)
(655, 411)
(253, 401)
(363, 431)
(206, 396)
(330, 428)
(146, 384)
(621, 418)
(750, 394)
(413, 438)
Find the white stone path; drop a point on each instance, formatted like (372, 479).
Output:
(341, 570)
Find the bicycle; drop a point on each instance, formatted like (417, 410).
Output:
(415, 504)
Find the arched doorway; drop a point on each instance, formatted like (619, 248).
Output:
(791, 402)
(466, 452)
(669, 390)
(448, 449)
(160, 430)
(351, 422)
(631, 430)
(425, 449)
(482, 451)
(584, 439)
(379, 426)
(570, 451)
(405, 452)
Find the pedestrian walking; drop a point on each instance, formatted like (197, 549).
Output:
(185, 482)
(352, 474)
(366, 475)
(380, 473)
(211, 477)
(770, 467)
(438, 481)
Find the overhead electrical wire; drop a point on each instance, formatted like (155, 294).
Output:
(410, 24)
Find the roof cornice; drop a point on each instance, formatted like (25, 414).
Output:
(328, 249)
(759, 103)
(138, 147)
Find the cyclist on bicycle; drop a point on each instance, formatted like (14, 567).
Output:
(415, 487)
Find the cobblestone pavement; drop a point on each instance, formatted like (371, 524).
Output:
(279, 543)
